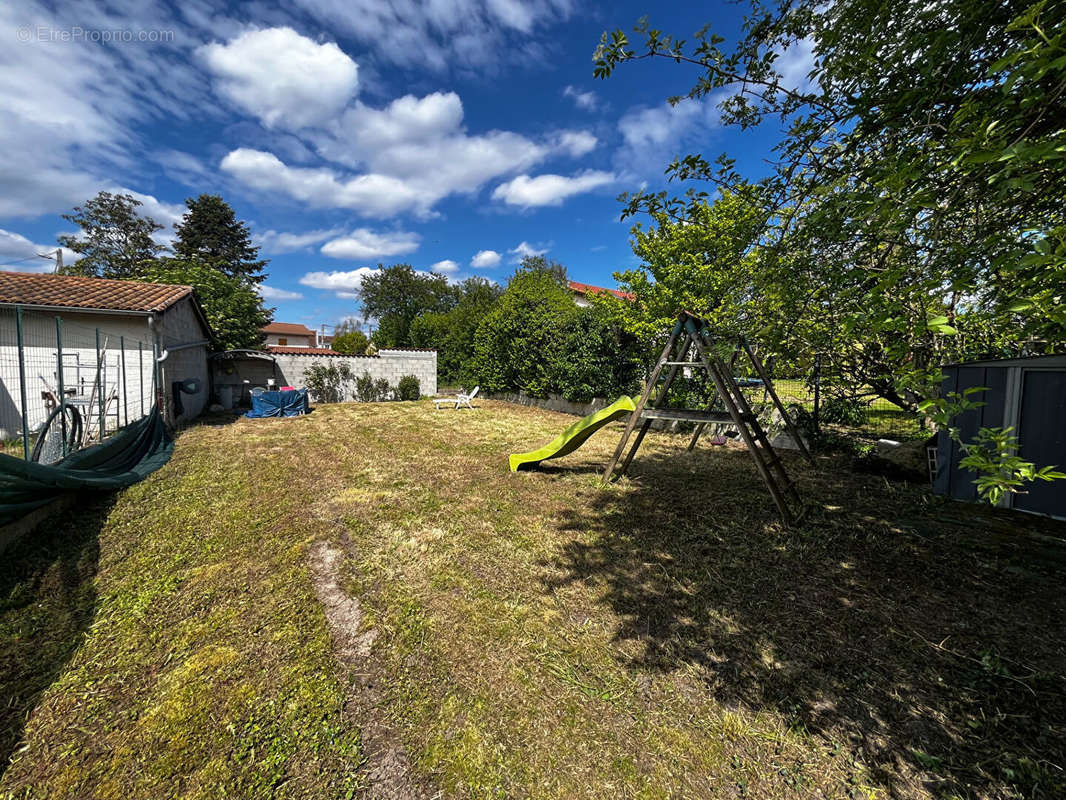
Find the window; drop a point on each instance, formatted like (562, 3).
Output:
(282, 341)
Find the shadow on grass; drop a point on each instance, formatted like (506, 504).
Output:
(926, 637)
(47, 601)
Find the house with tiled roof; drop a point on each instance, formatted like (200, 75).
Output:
(581, 292)
(293, 337)
(82, 332)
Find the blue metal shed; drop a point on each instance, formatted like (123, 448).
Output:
(1026, 394)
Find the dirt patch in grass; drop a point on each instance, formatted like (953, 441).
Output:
(540, 636)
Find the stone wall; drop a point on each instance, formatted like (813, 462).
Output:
(389, 364)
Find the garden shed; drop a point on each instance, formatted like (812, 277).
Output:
(1026, 394)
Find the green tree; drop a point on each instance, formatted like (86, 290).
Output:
(395, 295)
(233, 308)
(115, 241)
(918, 194)
(210, 232)
(451, 333)
(349, 339)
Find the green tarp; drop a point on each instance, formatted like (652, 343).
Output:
(129, 456)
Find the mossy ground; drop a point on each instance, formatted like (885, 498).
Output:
(537, 635)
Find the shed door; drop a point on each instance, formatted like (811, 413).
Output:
(1042, 432)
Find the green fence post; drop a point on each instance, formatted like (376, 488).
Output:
(62, 399)
(22, 385)
(100, 383)
(125, 401)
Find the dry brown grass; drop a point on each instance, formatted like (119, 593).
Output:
(541, 636)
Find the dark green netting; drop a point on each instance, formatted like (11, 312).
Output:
(129, 456)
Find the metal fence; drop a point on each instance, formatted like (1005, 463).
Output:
(66, 385)
(866, 417)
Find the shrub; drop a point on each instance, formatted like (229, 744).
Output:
(408, 388)
(368, 390)
(843, 411)
(327, 383)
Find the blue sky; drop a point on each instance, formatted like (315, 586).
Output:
(455, 135)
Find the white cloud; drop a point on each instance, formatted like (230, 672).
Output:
(19, 254)
(371, 195)
(442, 35)
(363, 243)
(795, 65)
(525, 250)
(343, 283)
(404, 157)
(653, 136)
(284, 79)
(576, 143)
(485, 259)
(270, 293)
(549, 190)
(445, 266)
(274, 242)
(586, 101)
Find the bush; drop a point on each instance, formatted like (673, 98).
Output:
(408, 388)
(368, 390)
(844, 411)
(328, 383)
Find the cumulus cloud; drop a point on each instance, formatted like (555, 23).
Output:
(273, 242)
(270, 293)
(549, 190)
(485, 259)
(343, 283)
(576, 143)
(524, 249)
(586, 101)
(364, 243)
(284, 79)
(654, 135)
(446, 266)
(372, 195)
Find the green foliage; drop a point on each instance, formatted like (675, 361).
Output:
(993, 455)
(537, 340)
(115, 241)
(368, 390)
(451, 333)
(916, 212)
(408, 388)
(351, 341)
(843, 411)
(233, 308)
(328, 383)
(210, 231)
(396, 295)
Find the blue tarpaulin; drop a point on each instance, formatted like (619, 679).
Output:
(279, 404)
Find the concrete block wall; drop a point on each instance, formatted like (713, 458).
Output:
(389, 364)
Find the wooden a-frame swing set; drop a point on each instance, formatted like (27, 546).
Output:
(692, 346)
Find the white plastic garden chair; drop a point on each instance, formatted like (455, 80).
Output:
(464, 399)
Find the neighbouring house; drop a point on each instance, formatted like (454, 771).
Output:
(1027, 395)
(581, 292)
(89, 332)
(293, 334)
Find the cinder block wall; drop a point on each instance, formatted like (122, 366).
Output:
(389, 364)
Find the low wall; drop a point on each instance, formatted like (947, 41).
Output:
(388, 364)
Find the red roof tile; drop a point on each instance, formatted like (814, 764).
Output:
(75, 291)
(586, 288)
(303, 351)
(289, 328)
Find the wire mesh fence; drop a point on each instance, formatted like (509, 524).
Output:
(66, 384)
(833, 407)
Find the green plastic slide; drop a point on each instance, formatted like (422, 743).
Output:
(574, 436)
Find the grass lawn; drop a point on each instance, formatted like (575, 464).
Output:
(492, 634)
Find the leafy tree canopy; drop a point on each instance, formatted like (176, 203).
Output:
(210, 231)
(349, 339)
(395, 295)
(115, 241)
(452, 332)
(233, 308)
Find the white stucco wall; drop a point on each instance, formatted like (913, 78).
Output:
(178, 326)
